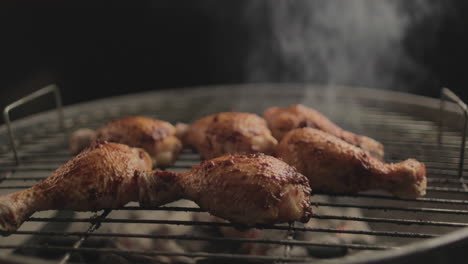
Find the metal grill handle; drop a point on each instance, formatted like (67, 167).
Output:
(445, 94)
(6, 112)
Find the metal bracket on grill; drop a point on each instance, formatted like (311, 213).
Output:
(48, 89)
(445, 94)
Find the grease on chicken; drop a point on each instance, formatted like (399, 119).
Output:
(283, 120)
(104, 175)
(155, 136)
(332, 164)
(230, 133)
(244, 189)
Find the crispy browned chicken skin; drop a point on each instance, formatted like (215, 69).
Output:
(283, 120)
(155, 136)
(104, 175)
(230, 133)
(244, 189)
(332, 164)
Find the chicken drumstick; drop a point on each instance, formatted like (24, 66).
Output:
(332, 164)
(245, 189)
(102, 176)
(283, 120)
(155, 136)
(230, 133)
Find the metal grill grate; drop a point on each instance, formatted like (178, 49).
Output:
(406, 128)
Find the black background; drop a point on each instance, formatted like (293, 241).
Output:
(95, 53)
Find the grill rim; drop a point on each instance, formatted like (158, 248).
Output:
(430, 105)
(440, 242)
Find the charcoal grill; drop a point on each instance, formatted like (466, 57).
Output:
(431, 229)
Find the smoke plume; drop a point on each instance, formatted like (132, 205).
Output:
(353, 42)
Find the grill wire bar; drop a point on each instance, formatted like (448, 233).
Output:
(165, 253)
(216, 224)
(205, 238)
(405, 226)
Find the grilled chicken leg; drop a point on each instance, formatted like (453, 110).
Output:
(230, 133)
(155, 136)
(105, 175)
(332, 164)
(283, 120)
(244, 189)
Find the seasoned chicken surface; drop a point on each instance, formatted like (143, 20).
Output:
(81, 139)
(332, 164)
(283, 120)
(155, 136)
(104, 175)
(230, 133)
(254, 189)
(244, 189)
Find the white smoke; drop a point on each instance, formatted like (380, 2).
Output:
(334, 42)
